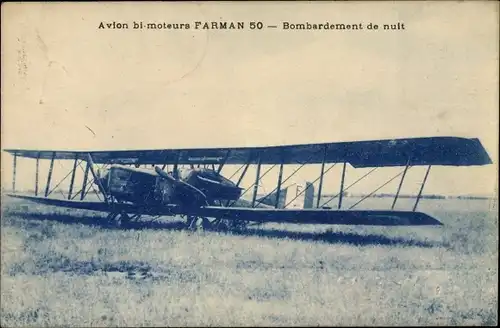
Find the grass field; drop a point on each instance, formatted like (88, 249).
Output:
(67, 268)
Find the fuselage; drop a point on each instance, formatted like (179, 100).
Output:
(194, 187)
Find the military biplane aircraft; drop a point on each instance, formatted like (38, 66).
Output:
(188, 182)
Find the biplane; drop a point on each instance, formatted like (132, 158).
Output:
(189, 182)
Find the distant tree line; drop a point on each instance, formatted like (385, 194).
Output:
(431, 196)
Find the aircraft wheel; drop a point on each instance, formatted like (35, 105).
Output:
(112, 216)
(119, 218)
(135, 217)
(124, 218)
(198, 223)
(220, 225)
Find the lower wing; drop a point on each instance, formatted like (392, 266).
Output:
(102, 206)
(319, 216)
(84, 205)
(262, 215)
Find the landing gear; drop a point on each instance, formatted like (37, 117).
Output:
(197, 223)
(220, 224)
(122, 218)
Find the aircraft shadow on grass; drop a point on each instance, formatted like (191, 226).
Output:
(325, 237)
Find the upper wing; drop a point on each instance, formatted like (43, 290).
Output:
(318, 216)
(375, 153)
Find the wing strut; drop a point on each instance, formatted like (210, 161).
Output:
(175, 171)
(304, 190)
(421, 188)
(246, 166)
(256, 184)
(164, 164)
(352, 184)
(85, 177)
(58, 184)
(49, 177)
(383, 185)
(37, 169)
(320, 187)
(73, 172)
(289, 177)
(278, 192)
(82, 191)
(253, 184)
(342, 180)
(243, 174)
(96, 178)
(90, 185)
(400, 185)
(221, 165)
(14, 165)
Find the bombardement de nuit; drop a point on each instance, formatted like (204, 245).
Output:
(340, 26)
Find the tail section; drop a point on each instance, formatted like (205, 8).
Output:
(309, 195)
(303, 197)
(293, 196)
(271, 198)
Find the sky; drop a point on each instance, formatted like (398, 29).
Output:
(66, 84)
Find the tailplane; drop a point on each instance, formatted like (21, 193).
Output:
(301, 196)
(270, 199)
